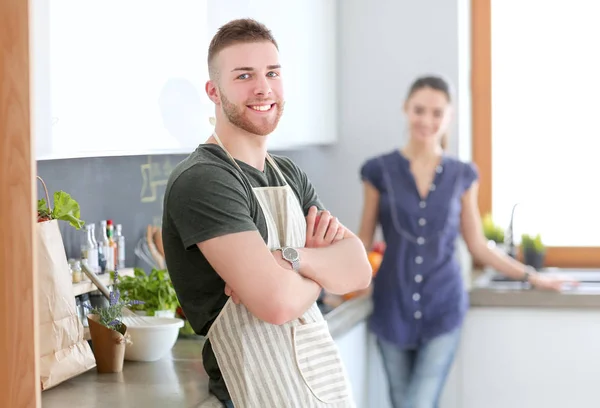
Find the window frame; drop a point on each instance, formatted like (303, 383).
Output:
(481, 88)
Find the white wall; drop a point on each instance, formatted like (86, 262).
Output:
(383, 46)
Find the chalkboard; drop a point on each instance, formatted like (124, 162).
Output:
(128, 190)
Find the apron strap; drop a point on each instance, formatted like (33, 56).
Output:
(276, 167)
(226, 151)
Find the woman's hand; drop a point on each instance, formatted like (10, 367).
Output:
(549, 282)
(322, 229)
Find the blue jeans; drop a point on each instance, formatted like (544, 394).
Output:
(416, 377)
(228, 404)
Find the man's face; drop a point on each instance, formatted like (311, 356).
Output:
(249, 88)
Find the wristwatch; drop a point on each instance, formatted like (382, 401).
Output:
(292, 256)
(529, 271)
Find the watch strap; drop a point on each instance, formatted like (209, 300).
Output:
(529, 271)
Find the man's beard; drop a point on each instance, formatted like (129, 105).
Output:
(237, 116)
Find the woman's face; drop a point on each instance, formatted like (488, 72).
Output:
(428, 114)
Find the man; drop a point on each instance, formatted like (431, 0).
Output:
(245, 262)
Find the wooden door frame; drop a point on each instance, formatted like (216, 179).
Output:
(19, 350)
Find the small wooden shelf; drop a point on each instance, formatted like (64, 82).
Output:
(88, 286)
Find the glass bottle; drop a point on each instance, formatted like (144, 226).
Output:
(112, 248)
(90, 248)
(120, 239)
(103, 248)
(96, 266)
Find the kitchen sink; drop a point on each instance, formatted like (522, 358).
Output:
(589, 280)
(584, 276)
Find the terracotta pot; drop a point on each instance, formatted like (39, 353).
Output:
(108, 345)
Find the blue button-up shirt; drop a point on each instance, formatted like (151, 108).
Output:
(418, 292)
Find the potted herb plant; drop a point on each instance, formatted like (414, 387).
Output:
(493, 232)
(109, 333)
(534, 251)
(155, 290)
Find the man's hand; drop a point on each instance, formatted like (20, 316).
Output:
(233, 296)
(322, 229)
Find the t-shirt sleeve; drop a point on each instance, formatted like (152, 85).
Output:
(309, 194)
(306, 191)
(206, 202)
(470, 175)
(371, 171)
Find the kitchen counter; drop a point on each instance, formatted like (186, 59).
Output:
(489, 289)
(509, 342)
(347, 315)
(177, 380)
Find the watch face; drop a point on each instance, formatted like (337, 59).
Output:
(290, 254)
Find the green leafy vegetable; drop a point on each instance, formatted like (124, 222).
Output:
(65, 209)
(155, 290)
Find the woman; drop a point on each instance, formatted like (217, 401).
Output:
(423, 199)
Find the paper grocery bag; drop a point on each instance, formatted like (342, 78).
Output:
(63, 351)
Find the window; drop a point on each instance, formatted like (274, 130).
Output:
(536, 90)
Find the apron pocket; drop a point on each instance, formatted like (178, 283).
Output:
(319, 362)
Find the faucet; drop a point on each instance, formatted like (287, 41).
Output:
(509, 239)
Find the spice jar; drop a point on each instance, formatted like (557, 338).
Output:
(76, 273)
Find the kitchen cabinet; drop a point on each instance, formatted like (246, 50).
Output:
(527, 358)
(518, 358)
(155, 102)
(354, 353)
(305, 33)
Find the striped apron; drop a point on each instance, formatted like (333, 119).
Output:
(294, 365)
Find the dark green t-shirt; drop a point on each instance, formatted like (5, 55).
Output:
(206, 197)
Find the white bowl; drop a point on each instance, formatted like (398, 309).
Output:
(151, 337)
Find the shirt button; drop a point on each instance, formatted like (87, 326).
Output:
(420, 240)
(418, 278)
(419, 260)
(432, 187)
(422, 222)
(439, 169)
(418, 314)
(416, 297)
(422, 204)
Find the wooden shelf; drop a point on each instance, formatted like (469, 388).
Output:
(88, 286)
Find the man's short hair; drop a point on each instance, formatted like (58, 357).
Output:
(245, 30)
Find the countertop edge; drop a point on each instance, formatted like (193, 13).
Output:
(483, 293)
(348, 314)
